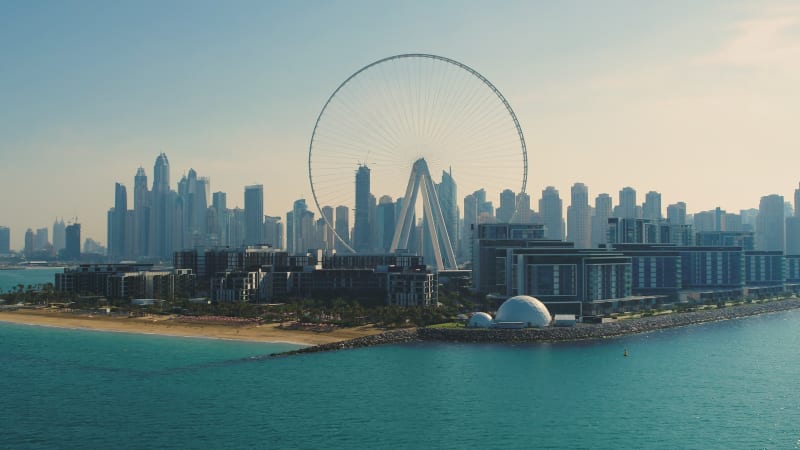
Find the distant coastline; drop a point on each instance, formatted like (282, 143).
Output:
(556, 334)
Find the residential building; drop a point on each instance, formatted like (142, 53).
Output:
(770, 224)
(579, 217)
(552, 213)
(651, 209)
(5, 240)
(602, 211)
(361, 230)
(626, 209)
(72, 251)
(254, 214)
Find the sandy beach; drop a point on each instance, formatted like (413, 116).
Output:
(174, 326)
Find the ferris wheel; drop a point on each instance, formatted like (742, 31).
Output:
(401, 113)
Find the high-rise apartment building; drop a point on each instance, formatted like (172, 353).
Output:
(254, 214)
(793, 235)
(273, 231)
(385, 223)
(602, 211)
(41, 239)
(219, 219)
(485, 208)
(797, 201)
(676, 213)
(524, 212)
(770, 224)
(59, 235)
(29, 244)
(626, 209)
(749, 219)
(342, 227)
(162, 204)
(116, 227)
(72, 251)
(141, 214)
(327, 241)
(5, 240)
(361, 235)
(194, 193)
(552, 212)
(299, 230)
(507, 207)
(470, 224)
(579, 228)
(447, 191)
(651, 209)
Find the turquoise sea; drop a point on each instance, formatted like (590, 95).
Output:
(34, 276)
(730, 384)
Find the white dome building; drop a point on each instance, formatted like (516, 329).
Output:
(480, 320)
(523, 309)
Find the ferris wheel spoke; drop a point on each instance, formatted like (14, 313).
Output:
(398, 109)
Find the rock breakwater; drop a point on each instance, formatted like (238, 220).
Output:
(556, 334)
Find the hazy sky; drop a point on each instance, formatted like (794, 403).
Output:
(697, 100)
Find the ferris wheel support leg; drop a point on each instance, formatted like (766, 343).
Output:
(440, 237)
(404, 223)
(426, 205)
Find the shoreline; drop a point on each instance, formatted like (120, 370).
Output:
(580, 332)
(368, 336)
(173, 326)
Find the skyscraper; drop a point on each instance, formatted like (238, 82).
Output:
(161, 174)
(29, 243)
(194, 193)
(5, 240)
(793, 235)
(116, 239)
(300, 229)
(327, 231)
(72, 251)
(361, 230)
(273, 231)
(651, 209)
(41, 239)
(161, 211)
(254, 214)
(470, 225)
(552, 211)
(59, 235)
(219, 205)
(507, 206)
(385, 223)
(235, 231)
(447, 191)
(676, 213)
(342, 227)
(770, 223)
(524, 212)
(627, 204)
(485, 208)
(797, 201)
(141, 214)
(602, 211)
(579, 228)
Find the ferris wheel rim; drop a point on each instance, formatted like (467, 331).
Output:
(444, 59)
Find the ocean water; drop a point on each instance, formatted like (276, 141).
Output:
(730, 384)
(34, 276)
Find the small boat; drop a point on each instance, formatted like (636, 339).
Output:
(625, 354)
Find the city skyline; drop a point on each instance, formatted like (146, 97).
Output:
(698, 109)
(192, 191)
